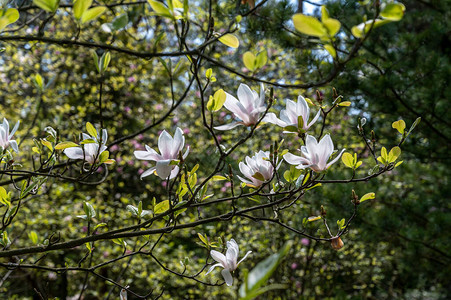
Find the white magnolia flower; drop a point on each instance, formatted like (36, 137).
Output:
(248, 108)
(314, 155)
(228, 261)
(90, 151)
(257, 169)
(290, 115)
(5, 136)
(169, 148)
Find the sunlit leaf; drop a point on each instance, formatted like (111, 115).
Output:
(230, 40)
(309, 25)
(393, 11)
(92, 14)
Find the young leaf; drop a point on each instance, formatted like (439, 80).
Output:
(395, 152)
(80, 6)
(359, 31)
(368, 196)
(91, 129)
(161, 207)
(329, 48)
(332, 26)
(309, 25)
(64, 145)
(393, 11)
(160, 9)
(249, 61)
(92, 14)
(399, 125)
(262, 58)
(7, 17)
(230, 40)
(348, 160)
(47, 5)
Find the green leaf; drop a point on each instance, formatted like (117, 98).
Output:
(359, 31)
(393, 11)
(329, 48)
(91, 129)
(260, 274)
(262, 58)
(259, 176)
(314, 218)
(368, 196)
(399, 125)
(160, 9)
(309, 25)
(332, 26)
(348, 160)
(249, 61)
(344, 103)
(230, 40)
(133, 210)
(120, 21)
(204, 240)
(103, 157)
(395, 152)
(8, 16)
(89, 210)
(217, 101)
(92, 14)
(47, 144)
(47, 5)
(33, 237)
(96, 59)
(104, 61)
(384, 153)
(64, 145)
(161, 207)
(218, 178)
(417, 121)
(324, 13)
(209, 73)
(80, 6)
(39, 81)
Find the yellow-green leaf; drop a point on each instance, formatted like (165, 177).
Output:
(368, 196)
(384, 153)
(261, 60)
(159, 8)
(309, 25)
(344, 103)
(230, 40)
(92, 14)
(359, 31)
(311, 219)
(64, 145)
(91, 129)
(329, 48)
(161, 207)
(395, 152)
(393, 11)
(332, 25)
(204, 240)
(399, 125)
(8, 16)
(47, 144)
(218, 178)
(249, 60)
(324, 13)
(80, 6)
(348, 160)
(47, 5)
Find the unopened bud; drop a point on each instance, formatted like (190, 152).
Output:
(373, 136)
(230, 171)
(323, 211)
(336, 243)
(335, 93)
(355, 198)
(319, 98)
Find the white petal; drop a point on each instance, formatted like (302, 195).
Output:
(14, 129)
(174, 172)
(248, 252)
(148, 172)
(246, 97)
(227, 277)
(74, 152)
(177, 143)
(212, 267)
(302, 109)
(146, 155)
(186, 153)
(245, 180)
(335, 159)
(165, 144)
(164, 168)
(236, 107)
(313, 121)
(228, 126)
(292, 159)
(14, 145)
(219, 257)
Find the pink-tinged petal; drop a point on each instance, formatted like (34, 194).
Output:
(302, 109)
(5, 125)
(85, 136)
(289, 117)
(293, 159)
(146, 155)
(227, 277)
(14, 145)
(212, 267)
(174, 172)
(262, 95)
(245, 180)
(148, 172)
(245, 170)
(272, 118)
(246, 97)
(228, 126)
(186, 153)
(74, 152)
(14, 129)
(313, 121)
(177, 143)
(248, 252)
(311, 144)
(325, 149)
(165, 144)
(219, 257)
(236, 108)
(335, 159)
(233, 244)
(164, 168)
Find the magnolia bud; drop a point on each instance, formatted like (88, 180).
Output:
(336, 243)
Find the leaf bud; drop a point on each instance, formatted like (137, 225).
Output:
(336, 243)
(323, 211)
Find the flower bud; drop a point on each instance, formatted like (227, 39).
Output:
(336, 243)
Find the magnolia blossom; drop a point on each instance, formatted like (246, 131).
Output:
(92, 148)
(290, 115)
(257, 169)
(5, 135)
(248, 108)
(169, 148)
(314, 155)
(228, 261)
